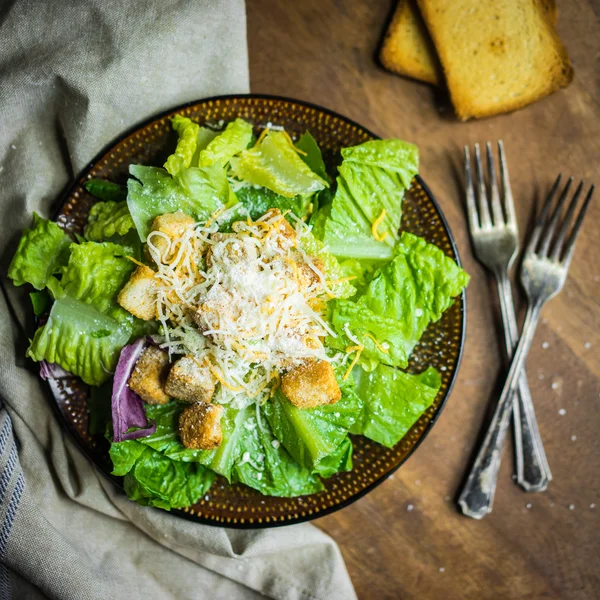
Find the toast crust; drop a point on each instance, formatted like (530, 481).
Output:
(407, 48)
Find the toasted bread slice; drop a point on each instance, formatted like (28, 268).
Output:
(408, 50)
(497, 55)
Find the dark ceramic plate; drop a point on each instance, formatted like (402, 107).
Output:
(441, 346)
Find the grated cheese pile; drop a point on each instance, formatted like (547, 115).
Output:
(250, 302)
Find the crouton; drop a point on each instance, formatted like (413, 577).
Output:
(190, 380)
(173, 226)
(149, 376)
(200, 426)
(281, 225)
(306, 275)
(138, 296)
(311, 384)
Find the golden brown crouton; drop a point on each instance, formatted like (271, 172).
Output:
(190, 380)
(311, 384)
(306, 275)
(173, 226)
(282, 226)
(149, 376)
(200, 426)
(138, 296)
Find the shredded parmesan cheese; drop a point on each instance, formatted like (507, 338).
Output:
(376, 224)
(241, 301)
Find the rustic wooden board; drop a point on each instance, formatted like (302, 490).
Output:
(406, 539)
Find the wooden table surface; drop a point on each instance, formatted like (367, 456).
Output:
(532, 545)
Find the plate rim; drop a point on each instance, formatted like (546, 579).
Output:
(75, 181)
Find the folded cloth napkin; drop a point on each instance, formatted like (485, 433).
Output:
(74, 75)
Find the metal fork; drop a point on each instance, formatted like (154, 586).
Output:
(496, 243)
(543, 274)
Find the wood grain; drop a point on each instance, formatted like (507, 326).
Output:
(406, 539)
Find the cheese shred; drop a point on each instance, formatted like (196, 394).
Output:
(376, 224)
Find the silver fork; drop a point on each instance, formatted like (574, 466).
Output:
(543, 274)
(496, 243)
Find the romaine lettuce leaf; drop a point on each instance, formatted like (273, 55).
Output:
(123, 456)
(106, 190)
(259, 200)
(226, 145)
(339, 460)
(340, 287)
(96, 274)
(366, 187)
(266, 466)
(311, 435)
(186, 144)
(197, 192)
(86, 328)
(273, 163)
(106, 220)
(42, 252)
(393, 401)
(80, 339)
(156, 480)
(404, 296)
(312, 155)
(393, 156)
(40, 302)
(247, 453)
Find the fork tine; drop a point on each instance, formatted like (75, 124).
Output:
(575, 232)
(539, 224)
(496, 207)
(470, 193)
(509, 203)
(562, 234)
(484, 211)
(545, 245)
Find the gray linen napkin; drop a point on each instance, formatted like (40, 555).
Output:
(72, 76)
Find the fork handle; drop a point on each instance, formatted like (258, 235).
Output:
(477, 495)
(533, 472)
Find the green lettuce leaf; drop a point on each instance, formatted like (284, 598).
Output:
(404, 296)
(80, 339)
(124, 455)
(339, 460)
(186, 144)
(95, 275)
(86, 328)
(273, 163)
(335, 275)
(259, 200)
(246, 454)
(393, 402)
(266, 466)
(311, 435)
(226, 145)
(366, 187)
(312, 155)
(156, 480)
(393, 156)
(40, 302)
(106, 190)
(197, 192)
(106, 220)
(42, 252)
